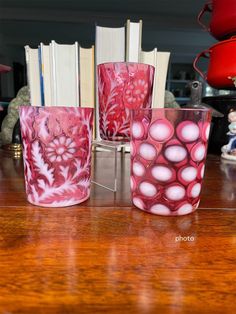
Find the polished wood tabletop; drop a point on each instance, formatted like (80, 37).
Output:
(106, 256)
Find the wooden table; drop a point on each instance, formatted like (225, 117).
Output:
(105, 256)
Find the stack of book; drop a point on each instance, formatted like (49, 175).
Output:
(60, 75)
(65, 75)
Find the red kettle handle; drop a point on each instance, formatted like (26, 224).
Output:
(206, 8)
(204, 54)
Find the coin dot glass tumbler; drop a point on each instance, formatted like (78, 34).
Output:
(56, 154)
(168, 152)
(122, 86)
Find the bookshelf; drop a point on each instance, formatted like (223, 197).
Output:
(179, 77)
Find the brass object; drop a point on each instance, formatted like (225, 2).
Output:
(14, 149)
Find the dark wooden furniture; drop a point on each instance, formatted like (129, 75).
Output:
(105, 256)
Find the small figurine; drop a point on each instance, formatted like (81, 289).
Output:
(229, 150)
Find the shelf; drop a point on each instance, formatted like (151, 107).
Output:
(180, 87)
(179, 81)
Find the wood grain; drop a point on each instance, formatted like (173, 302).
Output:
(105, 256)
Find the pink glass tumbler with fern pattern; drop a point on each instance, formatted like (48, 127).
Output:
(168, 153)
(56, 154)
(122, 86)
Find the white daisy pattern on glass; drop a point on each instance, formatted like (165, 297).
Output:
(135, 93)
(58, 155)
(61, 149)
(122, 86)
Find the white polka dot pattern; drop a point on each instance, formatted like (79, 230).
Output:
(196, 189)
(167, 168)
(175, 153)
(137, 130)
(161, 130)
(138, 169)
(185, 209)
(188, 174)
(147, 189)
(162, 173)
(198, 152)
(147, 151)
(188, 131)
(138, 203)
(132, 183)
(175, 192)
(160, 209)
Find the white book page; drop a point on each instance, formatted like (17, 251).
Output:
(65, 74)
(87, 88)
(110, 44)
(133, 41)
(46, 72)
(148, 57)
(33, 75)
(109, 47)
(162, 61)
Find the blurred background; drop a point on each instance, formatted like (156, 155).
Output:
(169, 25)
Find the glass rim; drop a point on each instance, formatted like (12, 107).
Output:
(174, 109)
(124, 62)
(55, 107)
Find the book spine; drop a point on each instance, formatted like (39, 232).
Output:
(27, 64)
(41, 75)
(140, 38)
(127, 40)
(53, 73)
(77, 74)
(33, 78)
(93, 74)
(97, 61)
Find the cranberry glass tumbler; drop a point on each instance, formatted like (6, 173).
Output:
(56, 154)
(122, 86)
(168, 152)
